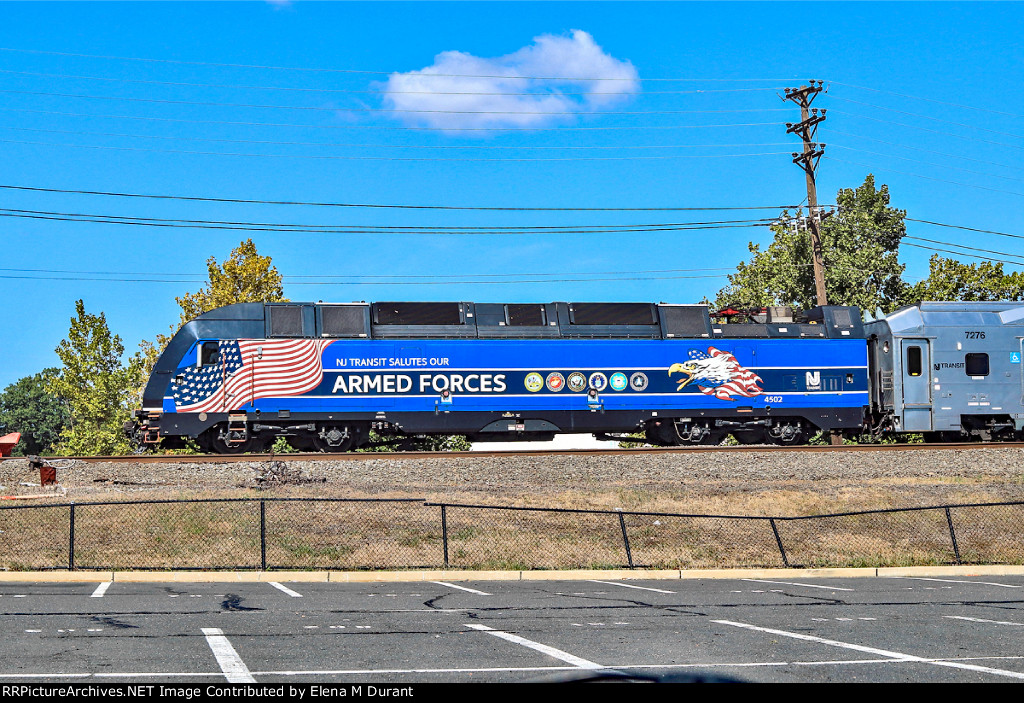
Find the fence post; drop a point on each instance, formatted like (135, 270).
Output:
(626, 540)
(71, 539)
(444, 532)
(263, 535)
(778, 540)
(952, 536)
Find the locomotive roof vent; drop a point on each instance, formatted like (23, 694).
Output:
(612, 314)
(418, 314)
(351, 320)
(285, 320)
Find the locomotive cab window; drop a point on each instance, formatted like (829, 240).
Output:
(976, 364)
(209, 353)
(914, 366)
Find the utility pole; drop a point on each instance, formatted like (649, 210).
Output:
(808, 161)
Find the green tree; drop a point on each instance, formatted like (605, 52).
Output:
(40, 417)
(952, 280)
(96, 385)
(860, 245)
(244, 277)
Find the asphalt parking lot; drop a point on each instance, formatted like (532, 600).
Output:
(793, 629)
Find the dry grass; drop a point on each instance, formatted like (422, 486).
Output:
(393, 535)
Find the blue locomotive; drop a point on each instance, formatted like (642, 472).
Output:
(323, 375)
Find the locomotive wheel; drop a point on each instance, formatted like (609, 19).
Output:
(334, 439)
(211, 443)
(799, 436)
(713, 438)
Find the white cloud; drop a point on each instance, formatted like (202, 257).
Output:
(480, 85)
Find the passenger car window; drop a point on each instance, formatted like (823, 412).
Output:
(914, 361)
(976, 364)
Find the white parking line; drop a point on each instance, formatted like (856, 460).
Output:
(994, 622)
(629, 585)
(101, 589)
(982, 583)
(543, 648)
(285, 589)
(235, 670)
(805, 585)
(461, 588)
(898, 656)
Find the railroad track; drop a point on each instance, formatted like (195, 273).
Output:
(367, 456)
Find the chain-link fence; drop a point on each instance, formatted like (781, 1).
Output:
(337, 533)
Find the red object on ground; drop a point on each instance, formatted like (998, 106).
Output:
(7, 443)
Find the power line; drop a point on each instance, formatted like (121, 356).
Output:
(377, 283)
(962, 246)
(346, 91)
(928, 117)
(243, 123)
(918, 175)
(142, 223)
(958, 253)
(926, 129)
(389, 146)
(930, 100)
(346, 70)
(929, 151)
(360, 277)
(334, 157)
(357, 280)
(383, 206)
(968, 229)
(927, 163)
(317, 108)
(519, 229)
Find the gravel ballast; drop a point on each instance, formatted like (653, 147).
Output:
(740, 482)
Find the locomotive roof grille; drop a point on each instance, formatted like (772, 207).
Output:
(612, 314)
(418, 314)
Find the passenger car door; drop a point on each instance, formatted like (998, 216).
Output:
(917, 385)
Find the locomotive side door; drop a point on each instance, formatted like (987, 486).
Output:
(917, 385)
(211, 373)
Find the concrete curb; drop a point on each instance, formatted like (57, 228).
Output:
(419, 576)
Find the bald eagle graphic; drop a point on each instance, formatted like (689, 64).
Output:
(717, 373)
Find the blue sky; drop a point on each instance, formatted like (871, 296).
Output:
(925, 96)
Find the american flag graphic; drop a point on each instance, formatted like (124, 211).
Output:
(249, 370)
(724, 377)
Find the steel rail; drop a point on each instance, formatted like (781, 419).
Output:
(369, 456)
